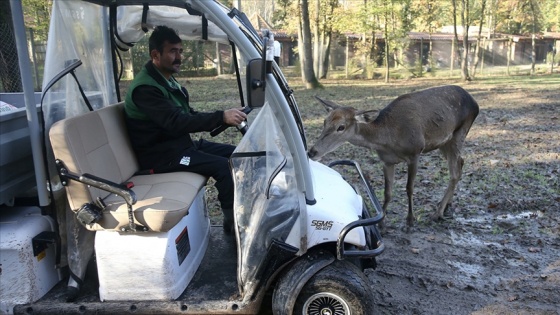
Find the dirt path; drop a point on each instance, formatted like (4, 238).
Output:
(462, 267)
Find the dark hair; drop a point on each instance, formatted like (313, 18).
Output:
(161, 34)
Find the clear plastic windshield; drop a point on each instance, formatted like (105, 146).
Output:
(267, 201)
(76, 34)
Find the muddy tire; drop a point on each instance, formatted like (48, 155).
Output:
(338, 289)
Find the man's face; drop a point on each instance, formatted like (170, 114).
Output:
(169, 61)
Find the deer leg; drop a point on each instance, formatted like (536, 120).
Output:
(389, 176)
(412, 169)
(455, 163)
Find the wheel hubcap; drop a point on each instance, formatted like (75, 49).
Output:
(326, 304)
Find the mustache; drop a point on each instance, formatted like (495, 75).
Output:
(177, 62)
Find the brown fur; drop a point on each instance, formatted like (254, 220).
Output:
(414, 123)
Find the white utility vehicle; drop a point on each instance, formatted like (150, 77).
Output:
(102, 237)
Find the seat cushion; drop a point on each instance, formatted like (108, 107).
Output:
(163, 199)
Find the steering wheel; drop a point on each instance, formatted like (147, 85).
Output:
(241, 127)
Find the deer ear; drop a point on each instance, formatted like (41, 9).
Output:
(328, 104)
(366, 116)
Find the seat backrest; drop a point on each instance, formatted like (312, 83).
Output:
(96, 143)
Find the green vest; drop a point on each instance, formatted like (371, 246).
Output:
(144, 78)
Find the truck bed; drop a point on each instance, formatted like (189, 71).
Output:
(213, 290)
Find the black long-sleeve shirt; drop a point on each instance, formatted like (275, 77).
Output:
(159, 119)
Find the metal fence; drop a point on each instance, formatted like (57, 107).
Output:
(9, 64)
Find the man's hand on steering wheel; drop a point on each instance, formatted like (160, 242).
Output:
(234, 116)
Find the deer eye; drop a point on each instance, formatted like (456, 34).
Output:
(340, 128)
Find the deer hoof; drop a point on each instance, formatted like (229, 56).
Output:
(437, 217)
(382, 227)
(410, 222)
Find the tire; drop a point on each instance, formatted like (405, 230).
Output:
(338, 289)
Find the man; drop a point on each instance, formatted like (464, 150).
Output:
(160, 121)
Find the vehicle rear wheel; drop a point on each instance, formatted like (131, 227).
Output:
(338, 289)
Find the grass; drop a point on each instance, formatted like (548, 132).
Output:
(511, 153)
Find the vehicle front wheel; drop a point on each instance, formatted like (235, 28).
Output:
(338, 289)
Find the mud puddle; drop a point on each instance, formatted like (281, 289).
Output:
(487, 264)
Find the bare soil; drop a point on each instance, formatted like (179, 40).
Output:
(498, 252)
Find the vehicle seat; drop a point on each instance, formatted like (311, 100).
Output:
(97, 143)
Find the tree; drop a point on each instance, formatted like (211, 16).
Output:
(477, 49)
(397, 23)
(465, 24)
(364, 19)
(519, 17)
(533, 50)
(304, 47)
(430, 16)
(37, 16)
(551, 16)
(322, 33)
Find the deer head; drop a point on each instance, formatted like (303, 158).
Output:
(340, 125)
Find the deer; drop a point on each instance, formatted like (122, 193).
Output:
(412, 124)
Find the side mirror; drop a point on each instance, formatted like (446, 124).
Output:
(255, 83)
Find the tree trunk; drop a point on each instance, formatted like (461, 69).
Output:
(477, 50)
(218, 59)
(324, 67)
(453, 53)
(386, 50)
(317, 36)
(533, 49)
(465, 57)
(431, 43)
(457, 51)
(326, 39)
(508, 55)
(347, 58)
(306, 58)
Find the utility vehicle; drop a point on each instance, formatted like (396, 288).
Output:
(97, 235)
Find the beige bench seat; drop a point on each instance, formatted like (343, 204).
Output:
(97, 143)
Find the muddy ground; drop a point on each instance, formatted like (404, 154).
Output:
(498, 251)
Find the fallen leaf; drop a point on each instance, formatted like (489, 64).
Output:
(492, 205)
(534, 250)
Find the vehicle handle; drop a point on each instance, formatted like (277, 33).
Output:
(121, 190)
(373, 237)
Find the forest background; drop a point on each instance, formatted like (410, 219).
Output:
(317, 23)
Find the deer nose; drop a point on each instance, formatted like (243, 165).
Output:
(311, 153)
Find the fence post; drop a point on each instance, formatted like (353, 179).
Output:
(482, 57)
(421, 54)
(553, 55)
(347, 52)
(508, 55)
(452, 62)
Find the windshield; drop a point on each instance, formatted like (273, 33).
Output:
(267, 202)
(245, 26)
